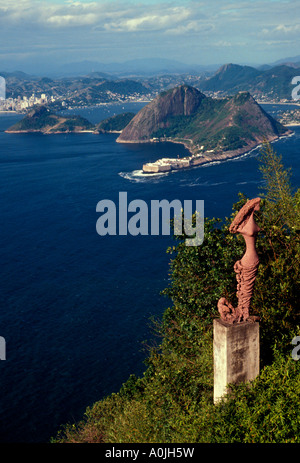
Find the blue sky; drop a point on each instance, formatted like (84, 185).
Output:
(39, 33)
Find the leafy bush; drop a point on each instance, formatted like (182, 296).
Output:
(266, 411)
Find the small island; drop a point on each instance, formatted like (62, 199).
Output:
(211, 129)
(42, 120)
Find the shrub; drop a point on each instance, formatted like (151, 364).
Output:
(266, 411)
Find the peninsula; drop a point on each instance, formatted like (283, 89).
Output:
(42, 120)
(211, 129)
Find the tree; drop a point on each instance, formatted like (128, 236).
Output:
(282, 208)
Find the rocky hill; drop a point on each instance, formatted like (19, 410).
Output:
(273, 82)
(185, 115)
(42, 120)
(182, 101)
(231, 77)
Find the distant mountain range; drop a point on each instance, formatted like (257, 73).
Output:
(292, 61)
(85, 91)
(272, 83)
(140, 67)
(153, 66)
(100, 83)
(136, 67)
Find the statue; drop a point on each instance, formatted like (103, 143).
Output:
(246, 268)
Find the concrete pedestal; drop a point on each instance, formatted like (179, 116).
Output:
(236, 354)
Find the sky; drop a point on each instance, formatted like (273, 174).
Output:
(40, 35)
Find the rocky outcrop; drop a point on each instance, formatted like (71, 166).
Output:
(203, 124)
(180, 101)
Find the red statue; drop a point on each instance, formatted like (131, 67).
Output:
(246, 268)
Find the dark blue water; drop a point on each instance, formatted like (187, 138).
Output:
(75, 306)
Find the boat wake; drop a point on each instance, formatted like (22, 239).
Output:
(139, 176)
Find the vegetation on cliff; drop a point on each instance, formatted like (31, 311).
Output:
(173, 401)
(186, 114)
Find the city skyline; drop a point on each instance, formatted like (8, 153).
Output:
(42, 35)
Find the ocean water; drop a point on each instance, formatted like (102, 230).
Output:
(75, 307)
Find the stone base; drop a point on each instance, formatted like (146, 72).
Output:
(236, 354)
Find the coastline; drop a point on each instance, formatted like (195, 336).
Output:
(293, 124)
(290, 103)
(118, 102)
(163, 165)
(49, 133)
(75, 108)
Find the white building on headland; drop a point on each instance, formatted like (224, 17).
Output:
(166, 164)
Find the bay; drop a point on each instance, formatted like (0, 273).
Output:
(76, 307)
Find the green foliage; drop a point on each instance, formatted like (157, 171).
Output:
(117, 122)
(42, 118)
(36, 123)
(266, 411)
(173, 401)
(221, 124)
(281, 204)
(74, 123)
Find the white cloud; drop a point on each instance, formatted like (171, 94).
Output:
(288, 29)
(281, 32)
(72, 20)
(105, 16)
(188, 27)
(155, 20)
(223, 43)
